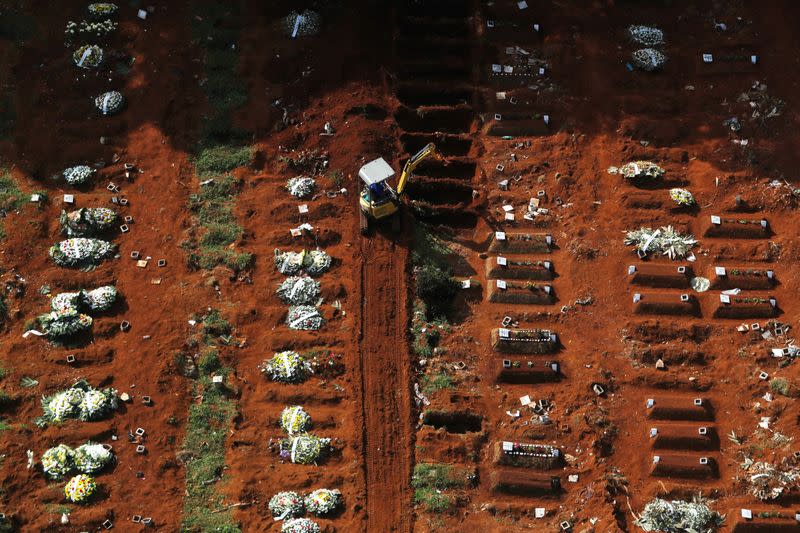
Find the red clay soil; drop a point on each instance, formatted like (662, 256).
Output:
(601, 115)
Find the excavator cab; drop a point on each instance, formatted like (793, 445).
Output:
(377, 199)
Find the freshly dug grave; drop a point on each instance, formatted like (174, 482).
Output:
(666, 304)
(521, 243)
(526, 371)
(662, 276)
(516, 292)
(746, 307)
(684, 466)
(524, 483)
(684, 437)
(738, 228)
(519, 454)
(506, 268)
(680, 408)
(745, 278)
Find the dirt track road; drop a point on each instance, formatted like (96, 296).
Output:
(384, 364)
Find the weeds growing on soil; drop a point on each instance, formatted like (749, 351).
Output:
(204, 444)
(435, 382)
(10, 197)
(220, 148)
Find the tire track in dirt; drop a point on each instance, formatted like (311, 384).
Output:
(386, 395)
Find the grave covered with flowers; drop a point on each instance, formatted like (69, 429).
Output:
(78, 175)
(300, 525)
(287, 367)
(286, 504)
(88, 56)
(110, 102)
(295, 419)
(89, 458)
(304, 317)
(87, 221)
(298, 290)
(81, 252)
(323, 501)
(80, 488)
(304, 449)
(81, 401)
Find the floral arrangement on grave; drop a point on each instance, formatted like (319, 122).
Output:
(648, 59)
(768, 481)
(80, 488)
(641, 170)
(58, 461)
(88, 56)
(64, 323)
(682, 197)
(645, 35)
(304, 317)
(88, 458)
(323, 501)
(314, 262)
(295, 420)
(286, 505)
(102, 9)
(109, 103)
(78, 175)
(287, 367)
(664, 240)
(300, 525)
(98, 29)
(678, 516)
(298, 291)
(80, 401)
(87, 221)
(301, 186)
(81, 252)
(304, 449)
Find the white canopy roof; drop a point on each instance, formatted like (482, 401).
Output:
(376, 171)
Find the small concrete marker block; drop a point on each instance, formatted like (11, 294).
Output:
(724, 298)
(498, 116)
(716, 220)
(656, 459)
(490, 24)
(123, 201)
(708, 58)
(114, 200)
(539, 512)
(631, 270)
(140, 432)
(128, 219)
(504, 333)
(125, 397)
(303, 209)
(465, 284)
(747, 514)
(536, 27)
(503, 185)
(136, 518)
(546, 119)
(217, 380)
(681, 270)
(147, 521)
(111, 187)
(125, 325)
(502, 261)
(541, 71)
(500, 167)
(69, 199)
(147, 400)
(573, 478)
(142, 14)
(500, 235)
(540, 193)
(650, 403)
(755, 326)
(653, 432)
(296, 232)
(637, 298)
(522, 5)
(508, 208)
(698, 401)
(754, 59)
(135, 254)
(565, 526)
(162, 262)
(70, 359)
(108, 524)
(720, 271)
(509, 217)
(684, 297)
(525, 400)
(141, 263)
(763, 376)
(35, 197)
(704, 460)
(140, 449)
(702, 430)
(660, 365)
(501, 284)
(124, 228)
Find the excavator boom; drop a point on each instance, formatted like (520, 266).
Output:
(429, 150)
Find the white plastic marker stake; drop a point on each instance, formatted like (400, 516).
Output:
(546, 119)
(297, 22)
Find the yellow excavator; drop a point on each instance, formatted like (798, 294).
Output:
(378, 200)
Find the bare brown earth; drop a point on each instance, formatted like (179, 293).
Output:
(601, 115)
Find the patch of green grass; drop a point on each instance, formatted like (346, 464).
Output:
(207, 426)
(11, 197)
(4, 425)
(433, 501)
(3, 370)
(436, 382)
(221, 234)
(221, 159)
(441, 476)
(780, 386)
